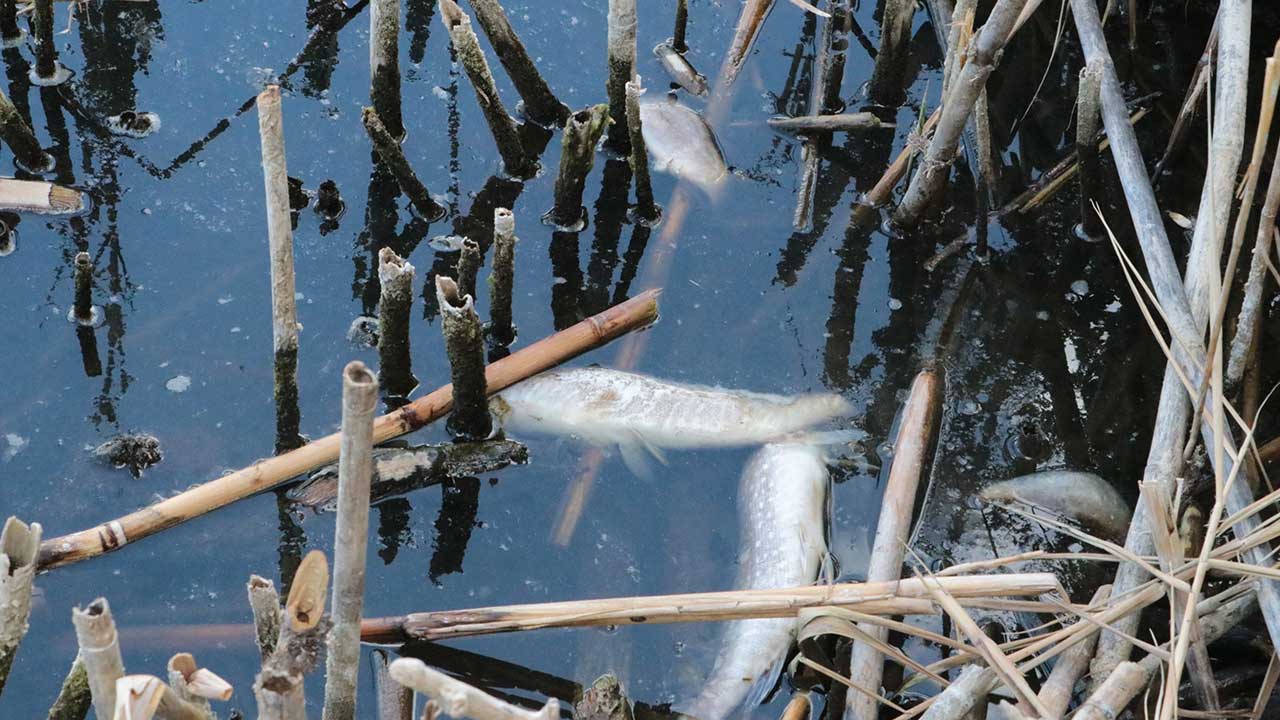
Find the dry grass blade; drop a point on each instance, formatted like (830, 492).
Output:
(815, 623)
(833, 675)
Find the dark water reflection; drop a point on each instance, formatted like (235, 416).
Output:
(176, 232)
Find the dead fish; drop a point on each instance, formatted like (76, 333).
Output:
(398, 470)
(681, 143)
(680, 70)
(1081, 497)
(782, 499)
(606, 407)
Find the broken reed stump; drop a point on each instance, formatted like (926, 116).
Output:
(74, 700)
(502, 277)
(515, 160)
(889, 74)
(934, 168)
(469, 261)
(394, 701)
(329, 203)
(100, 651)
(390, 153)
(384, 64)
(197, 685)
(633, 314)
(284, 308)
(395, 364)
(464, 342)
(11, 34)
(82, 306)
(682, 23)
(1088, 117)
(264, 601)
(822, 124)
(47, 71)
(458, 699)
(912, 449)
(146, 696)
(540, 104)
(19, 546)
(279, 688)
(577, 156)
(355, 471)
(622, 68)
(646, 210)
(17, 134)
(604, 700)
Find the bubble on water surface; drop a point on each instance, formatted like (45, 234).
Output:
(14, 444)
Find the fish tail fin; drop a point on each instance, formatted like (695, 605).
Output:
(764, 685)
(636, 453)
(714, 704)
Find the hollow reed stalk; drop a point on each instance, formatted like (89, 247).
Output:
(1088, 118)
(355, 471)
(646, 207)
(465, 345)
(74, 699)
(394, 701)
(458, 699)
(622, 69)
(391, 154)
(983, 54)
(502, 277)
(17, 134)
(46, 53)
(844, 122)
(577, 156)
(682, 23)
(540, 104)
(100, 653)
(284, 308)
(503, 128)
(469, 260)
(83, 303)
(891, 57)
(19, 546)
(264, 602)
(10, 32)
(384, 64)
(395, 364)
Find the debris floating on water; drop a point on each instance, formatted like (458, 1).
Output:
(135, 451)
(134, 123)
(681, 143)
(1081, 497)
(680, 69)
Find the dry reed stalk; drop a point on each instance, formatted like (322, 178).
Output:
(958, 37)
(1055, 693)
(891, 57)
(142, 697)
(818, 124)
(11, 34)
(284, 308)
(798, 707)
(39, 197)
(913, 449)
(577, 156)
(745, 32)
(469, 260)
(100, 653)
(264, 601)
(981, 59)
(459, 699)
(395, 701)
(279, 688)
(355, 472)
(465, 345)
(391, 154)
(640, 311)
(395, 304)
(74, 699)
(622, 70)
(540, 104)
(195, 684)
(515, 160)
(1087, 120)
(384, 64)
(965, 693)
(1190, 101)
(897, 597)
(502, 277)
(682, 22)
(647, 209)
(82, 306)
(47, 70)
(19, 546)
(17, 134)
(825, 69)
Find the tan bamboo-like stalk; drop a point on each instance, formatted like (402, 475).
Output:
(514, 158)
(384, 64)
(395, 302)
(264, 601)
(577, 156)
(983, 54)
(502, 277)
(540, 104)
(750, 20)
(465, 345)
(591, 333)
(390, 153)
(74, 699)
(395, 701)
(100, 653)
(913, 449)
(622, 69)
(355, 471)
(458, 699)
(798, 707)
(38, 196)
(896, 597)
(19, 545)
(284, 307)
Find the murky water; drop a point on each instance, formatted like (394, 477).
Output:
(1050, 357)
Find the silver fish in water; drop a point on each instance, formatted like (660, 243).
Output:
(1081, 497)
(636, 412)
(680, 142)
(782, 502)
(680, 70)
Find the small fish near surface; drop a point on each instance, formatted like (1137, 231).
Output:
(782, 500)
(681, 143)
(398, 470)
(680, 70)
(610, 407)
(1081, 497)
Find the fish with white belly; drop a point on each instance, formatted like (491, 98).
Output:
(681, 143)
(638, 413)
(782, 504)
